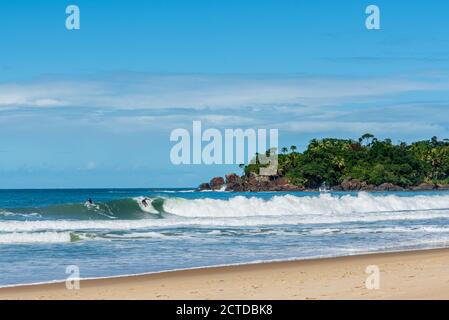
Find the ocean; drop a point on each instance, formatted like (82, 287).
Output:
(42, 232)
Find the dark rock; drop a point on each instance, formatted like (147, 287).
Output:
(280, 182)
(367, 187)
(283, 184)
(236, 188)
(256, 183)
(289, 187)
(234, 182)
(258, 178)
(204, 186)
(389, 187)
(351, 185)
(232, 179)
(216, 183)
(357, 185)
(425, 187)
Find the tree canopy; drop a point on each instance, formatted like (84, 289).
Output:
(366, 159)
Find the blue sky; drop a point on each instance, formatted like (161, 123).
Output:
(95, 107)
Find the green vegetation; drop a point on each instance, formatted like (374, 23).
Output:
(366, 159)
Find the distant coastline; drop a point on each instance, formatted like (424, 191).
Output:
(366, 164)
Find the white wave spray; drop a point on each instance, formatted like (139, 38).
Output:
(241, 211)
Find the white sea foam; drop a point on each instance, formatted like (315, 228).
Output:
(411, 229)
(137, 235)
(8, 213)
(222, 189)
(38, 237)
(324, 205)
(12, 214)
(66, 236)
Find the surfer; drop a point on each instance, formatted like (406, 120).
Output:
(89, 201)
(144, 202)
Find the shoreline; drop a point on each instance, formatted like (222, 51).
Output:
(231, 265)
(323, 278)
(251, 263)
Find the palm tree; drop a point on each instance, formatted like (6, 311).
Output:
(436, 158)
(367, 137)
(284, 150)
(339, 162)
(293, 148)
(314, 144)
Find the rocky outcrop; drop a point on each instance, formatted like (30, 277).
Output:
(204, 186)
(430, 187)
(354, 185)
(216, 183)
(388, 187)
(251, 183)
(425, 187)
(233, 178)
(357, 185)
(234, 182)
(351, 185)
(257, 183)
(283, 184)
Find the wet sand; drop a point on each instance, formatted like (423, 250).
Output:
(405, 275)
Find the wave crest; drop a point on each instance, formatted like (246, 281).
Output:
(325, 204)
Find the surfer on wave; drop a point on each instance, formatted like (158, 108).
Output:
(89, 203)
(144, 202)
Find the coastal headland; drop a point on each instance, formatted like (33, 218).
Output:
(365, 164)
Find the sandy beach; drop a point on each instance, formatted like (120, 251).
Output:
(406, 275)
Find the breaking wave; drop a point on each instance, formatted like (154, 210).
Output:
(129, 214)
(324, 205)
(38, 237)
(131, 208)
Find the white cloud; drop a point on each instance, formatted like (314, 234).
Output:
(293, 104)
(357, 127)
(142, 91)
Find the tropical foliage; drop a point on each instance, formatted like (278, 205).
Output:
(366, 159)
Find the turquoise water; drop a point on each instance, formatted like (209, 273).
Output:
(44, 231)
